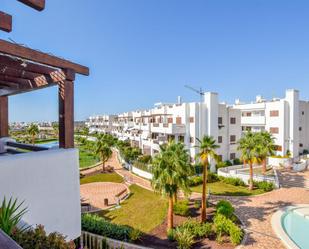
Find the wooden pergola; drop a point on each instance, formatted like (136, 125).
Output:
(23, 69)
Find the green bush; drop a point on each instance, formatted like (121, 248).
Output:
(37, 238)
(305, 152)
(212, 177)
(266, 186)
(144, 159)
(181, 208)
(171, 234)
(220, 165)
(195, 181)
(184, 238)
(225, 208)
(98, 225)
(228, 163)
(232, 181)
(197, 203)
(197, 229)
(225, 226)
(237, 161)
(135, 235)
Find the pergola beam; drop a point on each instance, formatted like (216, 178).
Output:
(39, 57)
(4, 116)
(35, 4)
(5, 22)
(66, 114)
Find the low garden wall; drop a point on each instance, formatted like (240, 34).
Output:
(237, 171)
(141, 173)
(277, 161)
(301, 165)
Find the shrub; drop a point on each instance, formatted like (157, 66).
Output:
(228, 163)
(237, 161)
(212, 177)
(98, 225)
(181, 208)
(184, 238)
(220, 165)
(195, 181)
(305, 152)
(225, 208)
(233, 181)
(37, 238)
(144, 159)
(171, 235)
(11, 214)
(135, 234)
(197, 203)
(225, 226)
(266, 186)
(197, 229)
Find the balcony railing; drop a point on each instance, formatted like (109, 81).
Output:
(7, 243)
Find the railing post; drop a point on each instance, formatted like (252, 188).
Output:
(4, 116)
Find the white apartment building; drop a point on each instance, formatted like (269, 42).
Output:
(286, 118)
(183, 122)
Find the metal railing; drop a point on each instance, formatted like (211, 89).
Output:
(25, 146)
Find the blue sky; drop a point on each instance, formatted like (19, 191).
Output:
(144, 51)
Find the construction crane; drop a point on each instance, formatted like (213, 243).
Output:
(201, 93)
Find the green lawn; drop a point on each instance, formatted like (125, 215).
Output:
(143, 210)
(221, 188)
(110, 177)
(86, 158)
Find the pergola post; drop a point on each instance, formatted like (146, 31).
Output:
(66, 114)
(4, 116)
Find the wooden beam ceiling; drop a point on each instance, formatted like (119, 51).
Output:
(40, 57)
(35, 4)
(5, 22)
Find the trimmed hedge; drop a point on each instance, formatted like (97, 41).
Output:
(266, 186)
(225, 208)
(98, 225)
(232, 181)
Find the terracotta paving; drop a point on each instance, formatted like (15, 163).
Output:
(254, 211)
(96, 192)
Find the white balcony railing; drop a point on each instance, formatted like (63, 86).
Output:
(168, 128)
(253, 120)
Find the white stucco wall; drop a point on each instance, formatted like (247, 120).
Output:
(48, 182)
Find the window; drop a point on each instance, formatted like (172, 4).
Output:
(299, 128)
(232, 156)
(178, 120)
(233, 121)
(302, 113)
(169, 120)
(274, 130)
(191, 119)
(220, 158)
(232, 139)
(220, 139)
(181, 139)
(191, 140)
(274, 113)
(278, 147)
(300, 145)
(220, 120)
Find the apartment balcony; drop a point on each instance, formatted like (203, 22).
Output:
(168, 128)
(253, 120)
(48, 183)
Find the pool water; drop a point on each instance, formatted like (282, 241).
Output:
(296, 226)
(50, 145)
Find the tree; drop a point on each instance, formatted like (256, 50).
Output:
(103, 150)
(56, 129)
(265, 147)
(33, 130)
(171, 170)
(248, 145)
(207, 149)
(86, 131)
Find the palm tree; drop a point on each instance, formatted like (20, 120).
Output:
(265, 147)
(103, 150)
(207, 147)
(33, 130)
(171, 171)
(248, 145)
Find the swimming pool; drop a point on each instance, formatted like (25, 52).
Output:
(50, 145)
(292, 226)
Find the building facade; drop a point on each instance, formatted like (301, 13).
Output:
(287, 119)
